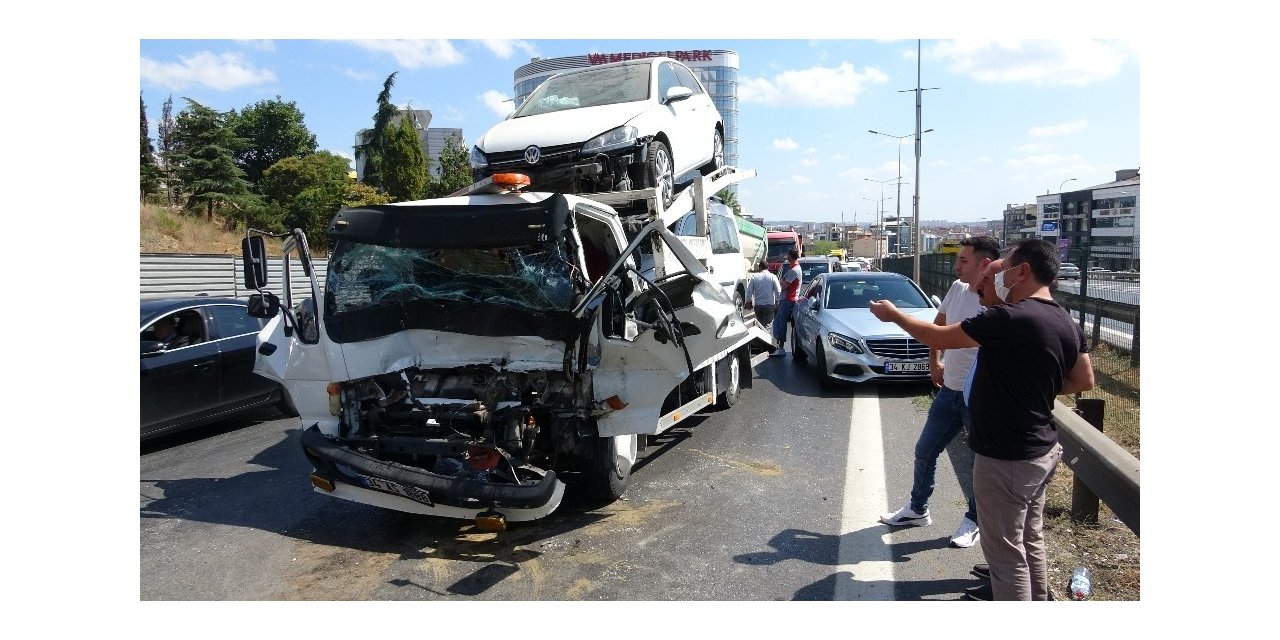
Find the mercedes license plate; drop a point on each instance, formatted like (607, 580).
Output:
(395, 488)
(906, 367)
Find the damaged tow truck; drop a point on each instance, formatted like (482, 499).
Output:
(470, 355)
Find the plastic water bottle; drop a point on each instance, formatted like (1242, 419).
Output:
(1081, 583)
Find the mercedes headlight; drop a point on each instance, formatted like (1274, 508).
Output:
(844, 343)
(477, 159)
(610, 140)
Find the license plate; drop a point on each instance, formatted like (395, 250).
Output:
(906, 367)
(387, 486)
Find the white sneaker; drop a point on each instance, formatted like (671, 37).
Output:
(966, 534)
(907, 516)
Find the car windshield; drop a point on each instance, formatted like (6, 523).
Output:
(363, 276)
(779, 250)
(854, 293)
(590, 88)
(811, 269)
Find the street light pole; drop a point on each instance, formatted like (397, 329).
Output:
(915, 202)
(899, 202)
(1062, 183)
(880, 239)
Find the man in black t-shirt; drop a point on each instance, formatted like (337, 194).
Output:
(1029, 352)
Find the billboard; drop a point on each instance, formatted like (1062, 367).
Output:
(1049, 226)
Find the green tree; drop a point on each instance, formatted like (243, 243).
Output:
(453, 169)
(730, 199)
(149, 172)
(373, 148)
(273, 130)
(168, 149)
(823, 247)
(404, 165)
(206, 156)
(286, 179)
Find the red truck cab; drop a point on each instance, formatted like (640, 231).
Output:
(779, 243)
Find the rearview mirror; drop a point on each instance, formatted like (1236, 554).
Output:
(254, 252)
(263, 305)
(678, 93)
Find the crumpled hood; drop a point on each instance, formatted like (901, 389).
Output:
(557, 128)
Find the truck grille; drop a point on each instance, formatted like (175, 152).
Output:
(897, 348)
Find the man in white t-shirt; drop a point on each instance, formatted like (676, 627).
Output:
(948, 414)
(763, 291)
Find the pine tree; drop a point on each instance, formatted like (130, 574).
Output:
(149, 173)
(375, 140)
(208, 170)
(404, 170)
(168, 149)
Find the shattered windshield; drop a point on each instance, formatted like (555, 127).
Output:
(535, 278)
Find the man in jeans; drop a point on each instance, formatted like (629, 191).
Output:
(948, 414)
(1030, 351)
(790, 276)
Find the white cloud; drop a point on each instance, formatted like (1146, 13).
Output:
(784, 144)
(413, 54)
(1034, 147)
(362, 76)
(1060, 129)
(811, 150)
(808, 162)
(799, 179)
(1044, 62)
(497, 102)
(260, 45)
(816, 86)
(222, 72)
(505, 48)
(345, 153)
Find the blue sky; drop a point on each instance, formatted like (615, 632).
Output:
(1011, 118)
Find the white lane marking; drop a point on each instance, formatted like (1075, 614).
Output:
(864, 542)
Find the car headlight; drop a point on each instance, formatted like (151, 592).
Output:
(844, 343)
(610, 140)
(477, 159)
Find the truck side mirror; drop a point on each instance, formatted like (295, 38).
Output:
(263, 305)
(254, 252)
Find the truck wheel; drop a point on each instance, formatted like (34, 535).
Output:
(733, 385)
(717, 155)
(658, 172)
(607, 474)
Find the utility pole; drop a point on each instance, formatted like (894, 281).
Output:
(915, 202)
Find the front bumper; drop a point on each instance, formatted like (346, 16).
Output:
(362, 478)
(564, 170)
(866, 367)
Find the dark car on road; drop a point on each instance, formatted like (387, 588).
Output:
(196, 359)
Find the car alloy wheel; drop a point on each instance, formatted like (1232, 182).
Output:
(717, 155)
(658, 172)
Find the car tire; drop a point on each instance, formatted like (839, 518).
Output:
(733, 386)
(797, 352)
(659, 172)
(608, 472)
(717, 155)
(820, 367)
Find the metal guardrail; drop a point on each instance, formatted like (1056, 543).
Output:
(166, 275)
(1109, 471)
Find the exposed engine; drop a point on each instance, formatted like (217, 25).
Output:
(474, 422)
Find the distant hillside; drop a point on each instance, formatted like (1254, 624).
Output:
(166, 231)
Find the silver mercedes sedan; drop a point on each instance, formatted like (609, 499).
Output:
(834, 326)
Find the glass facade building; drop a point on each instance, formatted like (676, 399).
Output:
(717, 70)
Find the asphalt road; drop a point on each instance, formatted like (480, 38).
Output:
(775, 499)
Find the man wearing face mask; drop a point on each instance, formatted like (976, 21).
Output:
(1030, 351)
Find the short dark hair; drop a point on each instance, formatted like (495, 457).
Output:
(763, 266)
(1041, 255)
(983, 246)
(793, 254)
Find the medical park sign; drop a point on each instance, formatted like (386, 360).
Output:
(699, 55)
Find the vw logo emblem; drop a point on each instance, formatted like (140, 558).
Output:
(532, 154)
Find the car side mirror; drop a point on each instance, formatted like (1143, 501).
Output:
(152, 348)
(253, 250)
(936, 301)
(815, 304)
(675, 94)
(263, 305)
